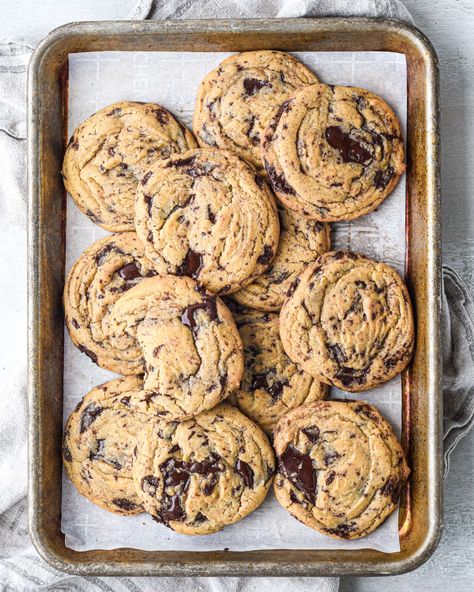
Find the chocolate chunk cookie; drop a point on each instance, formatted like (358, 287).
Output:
(99, 439)
(191, 346)
(208, 215)
(271, 384)
(302, 241)
(348, 322)
(236, 101)
(106, 270)
(340, 467)
(108, 154)
(333, 152)
(202, 474)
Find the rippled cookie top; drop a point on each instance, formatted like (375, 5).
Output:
(333, 152)
(348, 321)
(108, 154)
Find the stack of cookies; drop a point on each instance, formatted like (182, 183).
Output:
(219, 301)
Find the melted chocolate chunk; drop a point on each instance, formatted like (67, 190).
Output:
(172, 510)
(392, 489)
(129, 272)
(330, 457)
(146, 177)
(261, 381)
(98, 454)
(191, 264)
(73, 143)
(124, 504)
(150, 484)
(330, 477)
(260, 181)
(312, 433)
(298, 468)
(200, 518)
(75, 324)
(177, 473)
(88, 353)
(293, 498)
(383, 178)
(125, 401)
(351, 150)
(350, 376)
(208, 304)
(89, 415)
(293, 287)
(266, 256)
(182, 162)
(253, 85)
(161, 115)
(93, 217)
(66, 452)
(210, 215)
(343, 530)
(336, 353)
(360, 284)
(245, 471)
(278, 181)
(102, 254)
(115, 112)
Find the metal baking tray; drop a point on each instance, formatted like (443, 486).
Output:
(421, 515)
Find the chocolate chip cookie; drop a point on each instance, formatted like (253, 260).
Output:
(107, 269)
(205, 473)
(302, 241)
(348, 321)
(236, 101)
(206, 214)
(271, 384)
(333, 152)
(188, 338)
(340, 467)
(108, 154)
(99, 439)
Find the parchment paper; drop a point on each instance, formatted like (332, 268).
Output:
(172, 79)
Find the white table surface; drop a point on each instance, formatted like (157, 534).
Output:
(450, 26)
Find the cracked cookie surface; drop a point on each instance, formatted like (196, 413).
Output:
(333, 152)
(271, 384)
(348, 321)
(302, 241)
(340, 467)
(206, 214)
(108, 154)
(98, 444)
(200, 475)
(106, 270)
(191, 346)
(236, 101)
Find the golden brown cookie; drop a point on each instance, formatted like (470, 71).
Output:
(271, 384)
(333, 152)
(208, 215)
(236, 101)
(302, 241)
(188, 338)
(107, 269)
(205, 473)
(108, 154)
(348, 321)
(99, 439)
(340, 467)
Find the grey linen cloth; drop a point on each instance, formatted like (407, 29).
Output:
(21, 569)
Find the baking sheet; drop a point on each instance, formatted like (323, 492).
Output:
(171, 79)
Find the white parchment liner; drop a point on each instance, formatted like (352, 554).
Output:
(172, 79)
